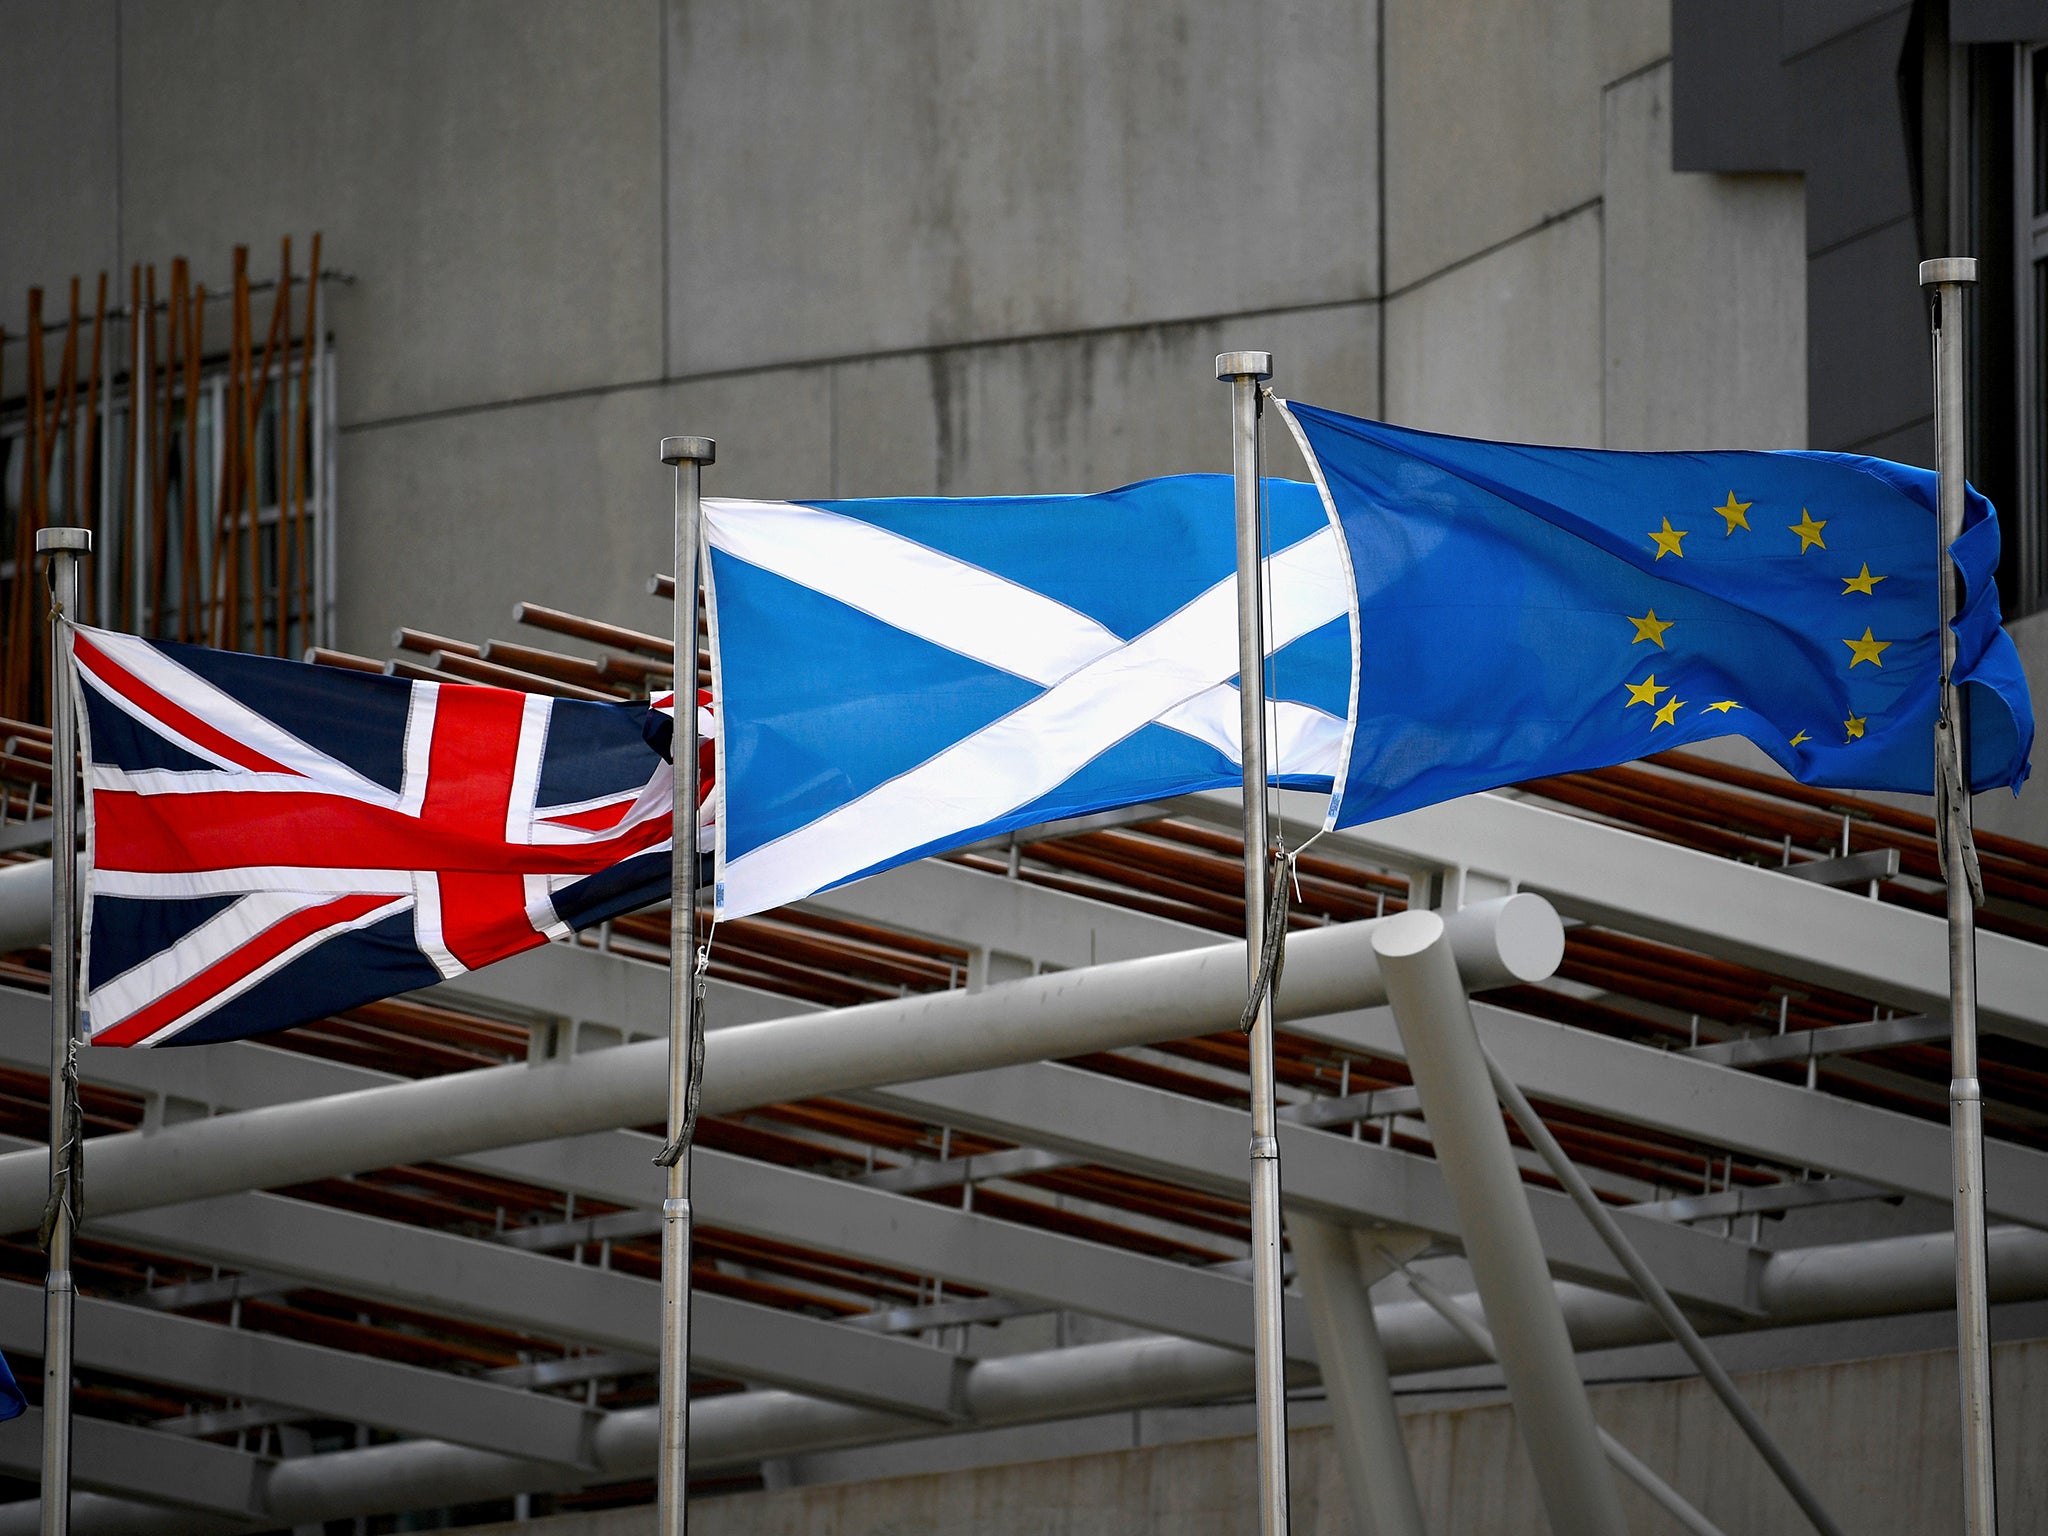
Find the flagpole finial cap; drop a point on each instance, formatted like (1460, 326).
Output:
(1948, 269)
(697, 450)
(63, 541)
(1239, 365)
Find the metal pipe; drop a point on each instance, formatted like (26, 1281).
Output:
(1948, 278)
(1620, 1456)
(1653, 1292)
(1356, 1381)
(64, 547)
(1244, 371)
(688, 456)
(1551, 1411)
(1834, 1282)
(1039, 1018)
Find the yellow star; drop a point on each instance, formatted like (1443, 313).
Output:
(1667, 541)
(1808, 531)
(1644, 692)
(1866, 649)
(1650, 628)
(1801, 738)
(1854, 726)
(1862, 582)
(1735, 514)
(1724, 705)
(1668, 715)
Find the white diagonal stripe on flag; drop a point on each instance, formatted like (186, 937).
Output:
(1001, 623)
(215, 940)
(911, 586)
(1040, 745)
(228, 715)
(186, 884)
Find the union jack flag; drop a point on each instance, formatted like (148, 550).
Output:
(271, 842)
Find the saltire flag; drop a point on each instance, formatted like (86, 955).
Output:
(901, 677)
(270, 842)
(1530, 611)
(12, 1404)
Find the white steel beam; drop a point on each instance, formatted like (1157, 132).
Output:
(1133, 1002)
(1721, 1106)
(1026, 1263)
(466, 1277)
(1085, 1114)
(197, 1479)
(327, 1383)
(1850, 1280)
(1738, 912)
(1173, 1137)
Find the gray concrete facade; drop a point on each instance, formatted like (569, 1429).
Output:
(1878, 1436)
(900, 248)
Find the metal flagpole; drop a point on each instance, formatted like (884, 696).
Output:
(1244, 371)
(1948, 277)
(688, 455)
(63, 547)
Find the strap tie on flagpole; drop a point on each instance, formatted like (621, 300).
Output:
(67, 1188)
(1949, 792)
(1273, 938)
(672, 1151)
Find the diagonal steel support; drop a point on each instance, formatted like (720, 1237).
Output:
(1499, 1235)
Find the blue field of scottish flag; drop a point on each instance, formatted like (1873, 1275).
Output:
(898, 677)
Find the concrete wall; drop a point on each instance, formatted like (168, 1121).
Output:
(894, 248)
(1877, 1438)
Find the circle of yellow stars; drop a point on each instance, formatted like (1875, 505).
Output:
(1734, 514)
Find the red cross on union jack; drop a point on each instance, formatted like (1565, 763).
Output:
(267, 843)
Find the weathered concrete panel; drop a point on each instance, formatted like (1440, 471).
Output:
(1087, 412)
(1506, 346)
(447, 522)
(901, 173)
(1878, 1439)
(1866, 316)
(1705, 291)
(57, 213)
(1493, 117)
(490, 172)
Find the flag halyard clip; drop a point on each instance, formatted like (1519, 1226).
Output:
(67, 1188)
(672, 1152)
(1273, 939)
(1949, 794)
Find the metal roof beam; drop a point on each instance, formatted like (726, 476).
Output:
(1783, 1123)
(1102, 1008)
(487, 1282)
(322, 1382)
(1740, 912)
(192, 1476)
(1022, 1262)
(1191, 1142)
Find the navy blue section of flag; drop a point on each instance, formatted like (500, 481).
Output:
(272, 842)
(1529, 611)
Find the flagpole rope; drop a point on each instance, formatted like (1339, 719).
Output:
(672, 1152)
(1280, 863)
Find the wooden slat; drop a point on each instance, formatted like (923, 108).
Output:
(426, 643)
(320, 656)
(595, 631)
(511, 677)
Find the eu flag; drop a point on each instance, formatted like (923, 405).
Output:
(1526, 611)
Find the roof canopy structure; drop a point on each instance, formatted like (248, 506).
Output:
(974, 1145)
